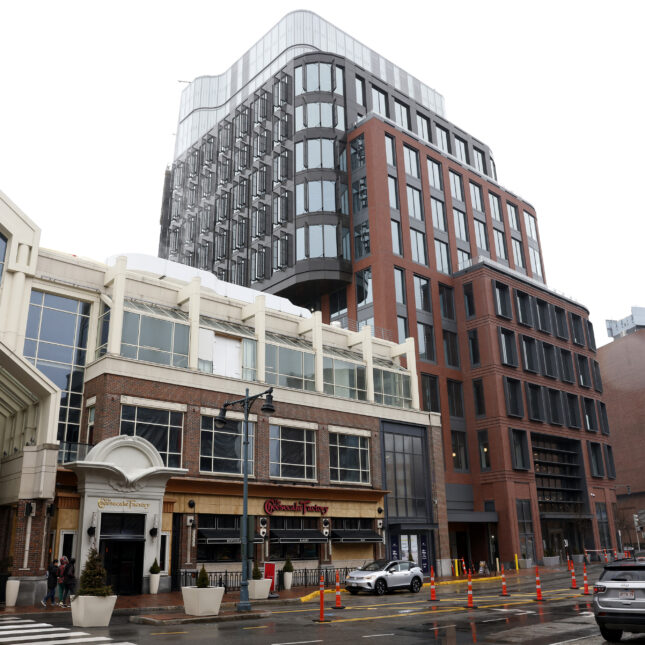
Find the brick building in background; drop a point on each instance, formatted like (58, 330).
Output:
(316, 169)
(621, 362)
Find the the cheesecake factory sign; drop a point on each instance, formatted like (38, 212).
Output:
(302, 507)
(108, 502)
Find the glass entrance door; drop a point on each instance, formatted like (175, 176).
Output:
(123, 561)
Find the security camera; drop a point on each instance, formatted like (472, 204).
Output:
(263, 531)
(190, 520)
(263, 522)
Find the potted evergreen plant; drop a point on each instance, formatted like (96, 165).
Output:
(259, 587)
(551, 558)
(202, 599)
(94, 603)
(155, 576)
(287, 573)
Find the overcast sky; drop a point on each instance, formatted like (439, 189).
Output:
(90, 95)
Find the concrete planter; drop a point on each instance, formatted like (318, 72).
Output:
(525, 563)
(288, 579)
(259, 589)
(92, 611)
(578, 558)
(551, 561)
(11, 593)
(154, 583)
(202, 602)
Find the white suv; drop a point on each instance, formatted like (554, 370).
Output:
(381, 576)
(619, 599)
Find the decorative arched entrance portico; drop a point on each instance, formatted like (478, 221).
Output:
(122, 482)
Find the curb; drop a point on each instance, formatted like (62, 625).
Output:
(220, 618)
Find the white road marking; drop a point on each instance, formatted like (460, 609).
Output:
(493, 620)
(24, 626)
(375, 635)
(297, 642)
(89, 639)
(34, 630)
(16, 639)
(572, 640)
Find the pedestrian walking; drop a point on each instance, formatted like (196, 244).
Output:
(69, 582)
(52, 582)
(61, 579)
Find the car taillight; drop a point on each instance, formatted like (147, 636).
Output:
(599, 588)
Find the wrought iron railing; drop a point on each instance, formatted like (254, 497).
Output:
(231, 580)
(72, 451)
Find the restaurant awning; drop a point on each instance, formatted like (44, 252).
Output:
(224, 536)
(355, 536)
(306, 536)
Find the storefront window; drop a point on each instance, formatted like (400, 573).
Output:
(349, 458)
(392, 388)
(221, 450)
(56, 343)
(298, 549)
(218, 544)
(345, 379)
(157, 340)
(162, 428)
(405, 475)
(292, 453)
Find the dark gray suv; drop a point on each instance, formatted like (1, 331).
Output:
(619, 599)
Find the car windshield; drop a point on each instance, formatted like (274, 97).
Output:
(624, 574)
(377, 565)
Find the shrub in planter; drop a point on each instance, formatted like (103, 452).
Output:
(259, 587)
(202, 599)
(287, 573)
(94, 603)
(155, 576)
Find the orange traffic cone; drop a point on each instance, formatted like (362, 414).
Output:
(504, 591)
(338, 603)
(586, 587)
(538, 586)
(573, 579)
(470, 604)
(433, 593)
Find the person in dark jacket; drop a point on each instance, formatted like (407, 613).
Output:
(69, 581)
(52, 581)
(61, 579)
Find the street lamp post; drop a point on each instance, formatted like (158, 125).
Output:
(220, 422)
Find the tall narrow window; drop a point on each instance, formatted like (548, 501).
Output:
(461, 150)
(434, 173)
(476, 197)
(395, 227)
(455, 398)
(443, 140)
(479, 398)
(461, 226)
(399, 285)
(379, 102)
(360, 91)
(422, 293)
(430, 393)
(459, 450)
(419, 251)
(481, 236)
(402, 114)
(423, 127)
(442, 256)
(411, 159)
(438, 214)
(500, 245)
(393, 192)
(456, 188)
(390, 150)
(415, 205)
(484, 452)
(425, 336)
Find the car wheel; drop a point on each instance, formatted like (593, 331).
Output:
(353, 591)
(415, 585)
(610, 635)
(380, 587)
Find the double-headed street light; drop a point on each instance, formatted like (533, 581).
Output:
(220, 422)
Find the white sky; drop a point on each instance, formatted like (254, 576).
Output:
(90, 95)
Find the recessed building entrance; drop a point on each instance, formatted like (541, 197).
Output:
(121, 547)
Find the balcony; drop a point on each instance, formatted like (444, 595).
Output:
(72, 451)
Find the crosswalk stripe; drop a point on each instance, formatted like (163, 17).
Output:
(34, 630)
(5, 621)
(10, 629)
(31, 637)
(97, 639)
